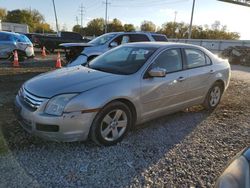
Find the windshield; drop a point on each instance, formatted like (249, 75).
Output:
(122, 60)
(102, 39)
(80, 60)
(22, 38)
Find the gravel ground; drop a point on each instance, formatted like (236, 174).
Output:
(186, 149)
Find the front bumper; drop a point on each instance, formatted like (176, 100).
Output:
(69, 127)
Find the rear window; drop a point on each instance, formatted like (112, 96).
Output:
(160, 38)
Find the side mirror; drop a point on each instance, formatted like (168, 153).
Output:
(113, 44)
(157, 72)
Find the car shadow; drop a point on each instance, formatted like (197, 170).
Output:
(86, 164)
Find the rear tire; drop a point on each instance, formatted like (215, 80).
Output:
(213, 96)
(111, 124)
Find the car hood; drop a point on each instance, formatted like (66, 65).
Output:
(68, 80)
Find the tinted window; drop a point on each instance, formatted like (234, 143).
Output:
(71, 35)
(122, 60)
(160, 38)
(170, 60)
(4, 37)
(195, 58)
(138, 38)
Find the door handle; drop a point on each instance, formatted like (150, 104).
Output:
(211, 71)
(181, 79)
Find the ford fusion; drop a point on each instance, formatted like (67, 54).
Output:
(120, 89)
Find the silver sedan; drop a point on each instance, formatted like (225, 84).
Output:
(126, 86)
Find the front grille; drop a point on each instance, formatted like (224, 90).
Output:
(31, 100)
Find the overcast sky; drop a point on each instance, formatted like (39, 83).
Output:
(135, 11)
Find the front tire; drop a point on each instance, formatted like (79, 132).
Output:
(213, 96)
(111, 124)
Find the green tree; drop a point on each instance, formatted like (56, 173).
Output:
(33, 18)
(95, 27)
(215, 31)
(76, 28)
(175, 30)
(3, 13)
(129, 27)
(42, 28)
(115, 26)
(148, 26)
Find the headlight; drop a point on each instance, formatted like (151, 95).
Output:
(56, 105)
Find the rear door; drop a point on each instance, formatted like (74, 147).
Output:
(199, 70)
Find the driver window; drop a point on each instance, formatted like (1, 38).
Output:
(170, 60)
(123, 39)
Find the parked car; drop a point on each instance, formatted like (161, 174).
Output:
(114, 92)
(9, 42)
(106, 42)
(52, 42)
(237, 172)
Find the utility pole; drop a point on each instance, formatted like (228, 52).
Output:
(191, 22)
(106, 16)
(57, 28)
(175, 14)
(77, 23)
(82, 9)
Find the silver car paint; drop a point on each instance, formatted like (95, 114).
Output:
(151, 97)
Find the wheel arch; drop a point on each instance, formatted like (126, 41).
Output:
(221, 82)
(130, 105)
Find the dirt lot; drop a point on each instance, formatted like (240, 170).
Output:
(184, 149)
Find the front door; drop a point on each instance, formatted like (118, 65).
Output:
(160, 95)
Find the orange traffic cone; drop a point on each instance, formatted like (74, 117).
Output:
(15, 63)
(44, 52)
(58, 61)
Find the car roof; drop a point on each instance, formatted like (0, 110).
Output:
(161, 44)
(136, 32)
(10, 33)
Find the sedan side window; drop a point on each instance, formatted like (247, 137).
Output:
(195, 58)
(170, 60)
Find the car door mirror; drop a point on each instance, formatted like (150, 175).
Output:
(113, 44)
(157, 72)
